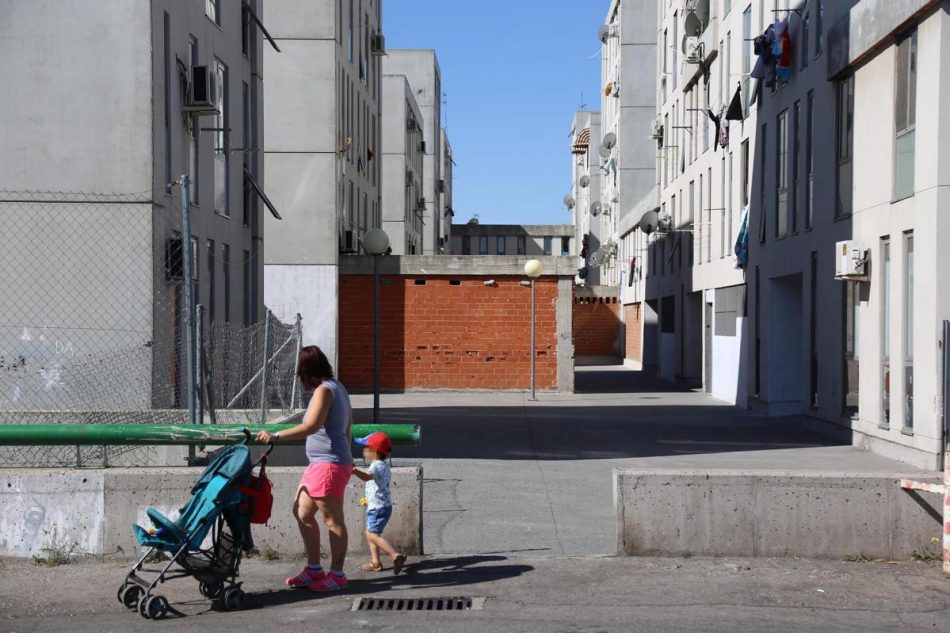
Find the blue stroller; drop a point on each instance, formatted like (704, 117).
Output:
(221, 505)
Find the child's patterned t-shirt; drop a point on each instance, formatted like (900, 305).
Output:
(377, 488)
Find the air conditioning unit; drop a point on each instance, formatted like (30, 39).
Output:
(411, 124)
(421, 203)
(350, 242)
(657, 132)
(441, 186)
(693, 50)
(422, 147)
(378, 45)
(851, 261)
(202, 90)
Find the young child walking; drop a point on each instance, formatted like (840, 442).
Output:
(379, 506)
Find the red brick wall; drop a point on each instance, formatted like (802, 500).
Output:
(596, 326)
(633, 319)
(445, 336)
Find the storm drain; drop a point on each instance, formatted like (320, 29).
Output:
(453, 603)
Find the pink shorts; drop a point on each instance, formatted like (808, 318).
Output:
(326, 480)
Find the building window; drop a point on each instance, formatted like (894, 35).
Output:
(565, 246)
(727, 239)
(483, 245)
(668, 314)
(746, 56)
(813, 333)
(500, 244)
(194, 132)
(522, 245)
(852, 331)
(213, 10)
(819, 30)
(796, 125)
(167, 61)
(763, 164)
(226, 280)
(247, 198)
(781, 175)
(349, 35)
(548, 245)
(810, 161)
(909, 332)
(806, 19)
(905, 116)
(885, 333)
(728, 308)
(221, 153)
(211, 289)
(744, 166)
(246, 290)
(845, 145)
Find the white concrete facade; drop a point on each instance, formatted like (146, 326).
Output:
(873, 99)
(322, 151)
(106, 115)
(692, 280)
(445, 196)
(403, 178)
(421, 68)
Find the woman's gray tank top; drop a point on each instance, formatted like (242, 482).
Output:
(330, 445)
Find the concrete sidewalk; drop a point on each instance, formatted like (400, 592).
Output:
(506, 475)
(655, 595)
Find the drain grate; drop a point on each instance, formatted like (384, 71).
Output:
(452, 603)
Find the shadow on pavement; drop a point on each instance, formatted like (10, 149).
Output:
(432, 573)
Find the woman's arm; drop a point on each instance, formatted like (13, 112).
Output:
(313, 419)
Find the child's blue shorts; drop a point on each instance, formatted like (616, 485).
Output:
(377, 518)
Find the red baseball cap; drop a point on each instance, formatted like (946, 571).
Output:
(377, 441)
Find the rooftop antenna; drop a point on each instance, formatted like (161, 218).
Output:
(582, 107)
(445, 110)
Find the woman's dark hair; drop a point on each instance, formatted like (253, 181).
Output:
(313, 367)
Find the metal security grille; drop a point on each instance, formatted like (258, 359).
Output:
(456, 603)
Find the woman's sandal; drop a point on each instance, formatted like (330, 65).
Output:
(371, 566)
(398, 563)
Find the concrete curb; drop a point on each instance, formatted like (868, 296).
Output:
(771, 513)
(95, 509)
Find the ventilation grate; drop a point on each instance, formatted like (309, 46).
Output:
(453, 603)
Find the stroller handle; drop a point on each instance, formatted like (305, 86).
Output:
(247, 440)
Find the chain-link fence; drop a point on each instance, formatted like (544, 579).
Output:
(93, 322)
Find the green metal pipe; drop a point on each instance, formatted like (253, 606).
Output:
(170, 434)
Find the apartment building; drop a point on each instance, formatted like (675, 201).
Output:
(403, 177)
(445, 195)
(421, 68)
(322, 152)
(593, 228)
(704, 131)
(837, 330)
(513, 239)
(117, 99)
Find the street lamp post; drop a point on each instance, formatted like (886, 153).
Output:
(533, 269)
(376, 242)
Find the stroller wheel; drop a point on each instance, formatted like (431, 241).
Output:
(129, 595)
(210, 590)
(155, 608)
(121, 591)
(233, 599)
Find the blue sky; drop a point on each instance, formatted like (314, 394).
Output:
(513, 72)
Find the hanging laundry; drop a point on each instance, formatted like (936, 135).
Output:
(742, 240)
(723, 130)
(763, 46)
(715, 119)
(735, 106)
(783, 69)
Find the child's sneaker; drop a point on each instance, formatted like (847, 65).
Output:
(329, 582)
(304, 578)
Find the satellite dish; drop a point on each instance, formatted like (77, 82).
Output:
(604, 153)
(582, 272)
(595, 208)
(569, 201)
(649, 222)
(603, 33)
(610, 140)
(692, 25)
(584, 181)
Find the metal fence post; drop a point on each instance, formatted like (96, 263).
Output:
(294, 391)
(199, 362)
(264, 366)
(187, 268)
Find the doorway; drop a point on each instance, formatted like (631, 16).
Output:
(786, 359)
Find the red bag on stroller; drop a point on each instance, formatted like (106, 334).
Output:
(260, 496)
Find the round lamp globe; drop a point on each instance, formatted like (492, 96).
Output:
(533, 268)
(375, 241)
